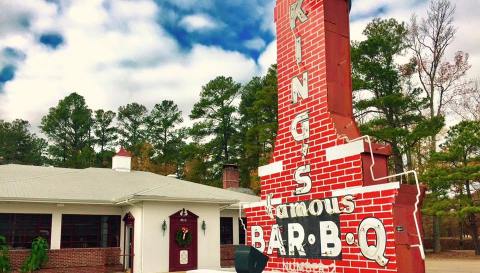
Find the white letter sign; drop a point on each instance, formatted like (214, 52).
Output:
(302, 178)
(257, 238)
(276, 241)
(373, 252)
(299, 88)
(330, 242)
(301, 118)
(296, 11)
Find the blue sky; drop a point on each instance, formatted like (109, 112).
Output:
(118, 51)
(239, 25)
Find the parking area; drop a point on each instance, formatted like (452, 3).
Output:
(453, 265)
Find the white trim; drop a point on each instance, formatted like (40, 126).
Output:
(54, 201)
(210, 271)
(263, 203)
(224, 270)
(345, 150)
(270, 169)
(373, 188)
(56, 230)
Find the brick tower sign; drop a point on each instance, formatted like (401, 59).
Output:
(327, 205)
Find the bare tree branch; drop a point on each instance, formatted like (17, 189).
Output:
(429, 39)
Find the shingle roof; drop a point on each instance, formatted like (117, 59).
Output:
(93, 185)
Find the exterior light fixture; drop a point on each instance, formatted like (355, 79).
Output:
(204, 227)
(164, 227)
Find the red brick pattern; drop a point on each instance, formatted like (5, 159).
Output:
(231, 177)
(227, 256)
(91, 260)
(326, 176)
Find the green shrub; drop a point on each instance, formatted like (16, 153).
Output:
(38, 256)
(5, 266)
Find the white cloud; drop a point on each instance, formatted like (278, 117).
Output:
(121, 55)
(255, 43)
(113, 59)
(466, 20)
(268, 57)
(18, 15)
(266, 13)
(369, 6)
(198, 22)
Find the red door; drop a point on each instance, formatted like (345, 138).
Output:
(129, 241)
(183, 252)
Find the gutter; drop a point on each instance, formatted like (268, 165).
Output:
(56, 201)
(128, 200)
(171, 199)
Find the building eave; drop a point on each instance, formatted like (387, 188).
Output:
(229, 204)
(146, 198)
(56, 201)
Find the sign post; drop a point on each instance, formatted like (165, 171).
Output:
(327, 203)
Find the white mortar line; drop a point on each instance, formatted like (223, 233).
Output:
(270, 169)
(373, 188)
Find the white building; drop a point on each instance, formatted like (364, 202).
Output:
(136, 216)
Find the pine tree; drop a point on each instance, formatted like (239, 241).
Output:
(19, 146)
(165, 136)
(131, 126)
(68, 127)
(258, 124)
(392, 112)
(452, 177)
(105, 136)
(216, 122)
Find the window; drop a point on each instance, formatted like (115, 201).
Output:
(241, 230)
(226, 230)
(90, 231)
(21, 229)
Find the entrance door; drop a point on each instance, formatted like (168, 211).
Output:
(129, 242)
(183, 241)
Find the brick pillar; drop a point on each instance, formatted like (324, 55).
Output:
(318, 212)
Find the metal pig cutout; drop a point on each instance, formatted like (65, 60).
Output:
(327, 203)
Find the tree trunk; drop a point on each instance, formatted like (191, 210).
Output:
(225, 150)
(437, 246)
(472, 220)
(433, 144)
(474, 231)
(397, 159)
(460, 223)
(410, 166)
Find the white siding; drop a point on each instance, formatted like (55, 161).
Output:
(156, 245)
(151, 245)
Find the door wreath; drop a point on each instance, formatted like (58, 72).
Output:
(184, 237)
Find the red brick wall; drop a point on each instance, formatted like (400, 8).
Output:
(327, 60)
(91, 260)
(230, 176)
(227, 256)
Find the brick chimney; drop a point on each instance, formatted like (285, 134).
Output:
(122, 161)
(231, 176)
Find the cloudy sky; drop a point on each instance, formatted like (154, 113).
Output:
(114, 52)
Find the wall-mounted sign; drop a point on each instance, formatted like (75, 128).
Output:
(311, 229)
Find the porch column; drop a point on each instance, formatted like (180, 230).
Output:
(56, 235)
(236, 231)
